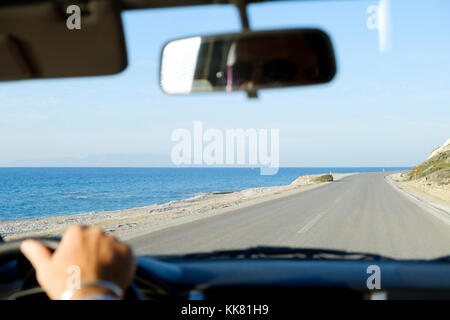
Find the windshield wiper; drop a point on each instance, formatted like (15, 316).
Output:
(286, 253)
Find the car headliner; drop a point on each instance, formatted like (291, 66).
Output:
(147, 4)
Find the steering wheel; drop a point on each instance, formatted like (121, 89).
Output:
(11, 251)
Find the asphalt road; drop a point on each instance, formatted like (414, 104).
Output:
(358, 213)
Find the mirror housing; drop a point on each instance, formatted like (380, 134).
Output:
(249, 61)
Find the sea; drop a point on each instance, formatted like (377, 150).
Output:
(40, 192)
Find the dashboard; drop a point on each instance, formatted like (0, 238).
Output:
(259, 279)
(256, 279)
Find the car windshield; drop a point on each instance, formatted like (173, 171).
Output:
(358, 164)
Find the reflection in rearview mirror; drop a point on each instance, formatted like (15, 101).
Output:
(247, 61)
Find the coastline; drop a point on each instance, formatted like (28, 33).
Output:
(128, 223)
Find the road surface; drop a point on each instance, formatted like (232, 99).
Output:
(358, 213)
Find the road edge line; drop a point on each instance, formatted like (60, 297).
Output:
(438, 210)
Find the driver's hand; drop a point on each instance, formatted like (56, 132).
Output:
(97, 256)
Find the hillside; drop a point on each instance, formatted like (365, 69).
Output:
(445, 147)
(436, 169)
(432, 181)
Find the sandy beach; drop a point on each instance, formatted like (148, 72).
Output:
(129, 223)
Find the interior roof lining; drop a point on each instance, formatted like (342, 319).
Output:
(146, 4)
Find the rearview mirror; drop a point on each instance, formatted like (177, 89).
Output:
(247, 61)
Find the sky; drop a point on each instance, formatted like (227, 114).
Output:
(382, 109)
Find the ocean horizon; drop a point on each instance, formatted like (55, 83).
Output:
(34, 192)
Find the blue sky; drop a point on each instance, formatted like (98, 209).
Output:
(382, 109)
